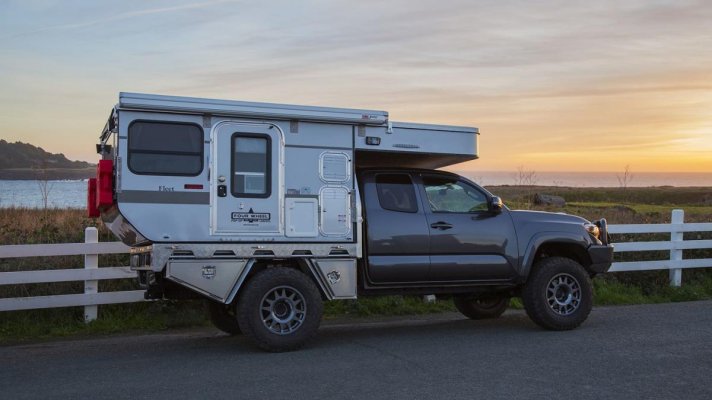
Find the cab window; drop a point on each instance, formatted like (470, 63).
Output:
(450, 195)
(396, 193)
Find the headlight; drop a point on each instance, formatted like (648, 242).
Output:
(593, 230)
(603, 235)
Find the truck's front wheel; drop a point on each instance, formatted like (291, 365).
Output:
(280, 309)
(558, 295)
(483, 307)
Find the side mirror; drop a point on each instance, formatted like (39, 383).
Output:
(496, 205)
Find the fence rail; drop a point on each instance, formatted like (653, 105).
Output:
(91, 273)
(676, 228)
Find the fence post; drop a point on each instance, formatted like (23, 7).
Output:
(91, 261)
(678, 217)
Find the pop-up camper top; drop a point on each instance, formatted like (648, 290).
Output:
(190, 170)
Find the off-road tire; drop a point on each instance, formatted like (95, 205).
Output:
(545, 302)
(481, 307)
(278, 284)
(224, 317)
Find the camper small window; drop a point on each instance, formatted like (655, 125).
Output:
(396, 193)
(250, 165)
(165, 148)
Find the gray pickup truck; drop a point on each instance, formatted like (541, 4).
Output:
(267, 210)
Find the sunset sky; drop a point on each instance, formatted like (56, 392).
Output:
(557, 85)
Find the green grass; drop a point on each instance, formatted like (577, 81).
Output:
(617, 293)
(18, 326)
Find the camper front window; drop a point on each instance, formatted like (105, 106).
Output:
(250, 165)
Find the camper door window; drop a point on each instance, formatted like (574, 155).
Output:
(165, 148)
(250, 165)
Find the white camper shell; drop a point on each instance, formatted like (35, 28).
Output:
(205, 188)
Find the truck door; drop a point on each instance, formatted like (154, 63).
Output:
(467, 241)
(397, 231)
(246, 179)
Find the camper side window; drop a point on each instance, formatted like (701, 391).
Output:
(250, 165)
(165, 148)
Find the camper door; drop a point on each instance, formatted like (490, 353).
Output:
(246, 179)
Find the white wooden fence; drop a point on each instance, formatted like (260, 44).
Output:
(91, 274)
(676, 228)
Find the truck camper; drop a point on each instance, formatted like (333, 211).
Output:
(266, 210)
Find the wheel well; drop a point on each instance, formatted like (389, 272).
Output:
(567, 250)
(296, 263)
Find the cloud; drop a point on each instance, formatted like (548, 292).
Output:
(118, 17)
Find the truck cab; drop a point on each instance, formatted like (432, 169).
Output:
(436, 232)
(432, 228)
(267, 210)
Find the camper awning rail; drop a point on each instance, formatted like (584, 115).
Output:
(250, 109)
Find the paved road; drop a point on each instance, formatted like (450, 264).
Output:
(635, 352)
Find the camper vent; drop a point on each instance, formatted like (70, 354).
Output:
(339, 252)
(223, 253)
(182, 253)
(302, 253)
(263, 253)
(406, 146)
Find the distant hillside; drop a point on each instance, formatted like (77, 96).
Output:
(24, 161)
(25, 155)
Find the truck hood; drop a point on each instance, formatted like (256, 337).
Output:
(542, 217)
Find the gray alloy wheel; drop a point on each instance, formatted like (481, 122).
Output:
(558, 294)
(279, 308)
(283, 310)
(563, 294)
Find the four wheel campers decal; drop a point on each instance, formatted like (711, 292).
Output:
(250, 216)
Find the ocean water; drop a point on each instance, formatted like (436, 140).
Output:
(60, 194)
(73, 194)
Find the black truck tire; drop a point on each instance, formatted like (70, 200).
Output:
(279, 309)
(558, 295)
(223, 316)
(481, 307)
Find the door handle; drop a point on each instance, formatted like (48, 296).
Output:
(222, 190)
(441, 225)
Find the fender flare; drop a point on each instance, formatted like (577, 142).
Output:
(310, 267)
(543, 238)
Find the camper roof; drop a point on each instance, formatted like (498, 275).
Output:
(253, 109)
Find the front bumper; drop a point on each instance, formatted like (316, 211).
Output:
(601, 258)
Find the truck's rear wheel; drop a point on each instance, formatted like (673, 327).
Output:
(558, 295)
(223, 316)
(483, 307)
(280, 309)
